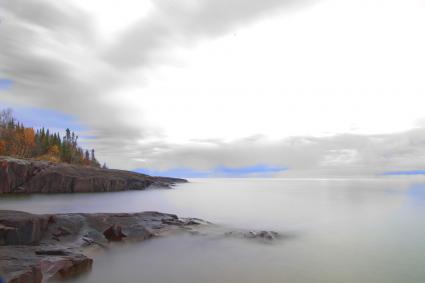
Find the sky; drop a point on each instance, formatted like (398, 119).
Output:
(224, 88)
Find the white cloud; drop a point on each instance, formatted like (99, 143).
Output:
(179, 84)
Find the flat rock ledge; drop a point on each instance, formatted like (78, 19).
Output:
(28, 176)
(36, 248)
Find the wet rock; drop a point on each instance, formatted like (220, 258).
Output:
(20, 228)
(54, 243)
(61, 232)
(65, 265)
(114, 233)
(183, 221)
(30, 275)
(18, 264)
(259, 235)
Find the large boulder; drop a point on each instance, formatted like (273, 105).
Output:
(33, 176)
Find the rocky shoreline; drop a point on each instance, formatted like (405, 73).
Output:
(32, 176)
(36, 248)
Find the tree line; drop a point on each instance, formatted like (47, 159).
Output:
(23, 142)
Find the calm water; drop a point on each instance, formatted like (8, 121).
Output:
(346, 231)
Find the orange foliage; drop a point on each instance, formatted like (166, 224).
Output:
(19, 141)
(28, 140)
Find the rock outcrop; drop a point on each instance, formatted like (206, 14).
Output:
(35, 248)
(32, 176)
(257, 235)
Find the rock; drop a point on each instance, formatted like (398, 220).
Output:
(20, 228)
(267, 235)
(65, 266)
(259, 235)
(61, 232)
(18, 264)
(30, 275)
(35, 248)
(114, 233)
(33, 176)
(183, 221)
(23, 264)
(52, 252)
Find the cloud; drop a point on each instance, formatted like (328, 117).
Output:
(221, 171)
(53, 54)
(53, 57)
(49, 50)
(339, 155)
(174, 24)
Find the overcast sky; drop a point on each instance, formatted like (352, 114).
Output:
(305, 87)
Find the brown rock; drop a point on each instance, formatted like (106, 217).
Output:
(29, 254)
(20, 228)
(62, 267)
(18, 264)
(32, 176)
(31, 275)
(114, 233)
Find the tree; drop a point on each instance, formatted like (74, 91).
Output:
(2, 147)
(6, 116)
(28, 142)
(93, 160)
(53, 150)
(18, 140)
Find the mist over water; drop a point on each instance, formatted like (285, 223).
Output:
(345, 231)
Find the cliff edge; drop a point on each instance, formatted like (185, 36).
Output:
(33, 176)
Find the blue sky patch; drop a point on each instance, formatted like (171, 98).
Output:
(219, 172)
(5, 84)
(406, 172)
(40, 117)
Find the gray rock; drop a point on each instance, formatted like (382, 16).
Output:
(32, 176)
(257, 235)
(34, 248)
(20, 228)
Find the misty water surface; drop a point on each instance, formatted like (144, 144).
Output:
(345, 231)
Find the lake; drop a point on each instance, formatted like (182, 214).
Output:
(344, 231)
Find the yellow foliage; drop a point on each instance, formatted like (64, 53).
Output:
(49, 157)
(53, 150)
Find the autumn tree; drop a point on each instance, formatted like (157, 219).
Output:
(20, 141)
